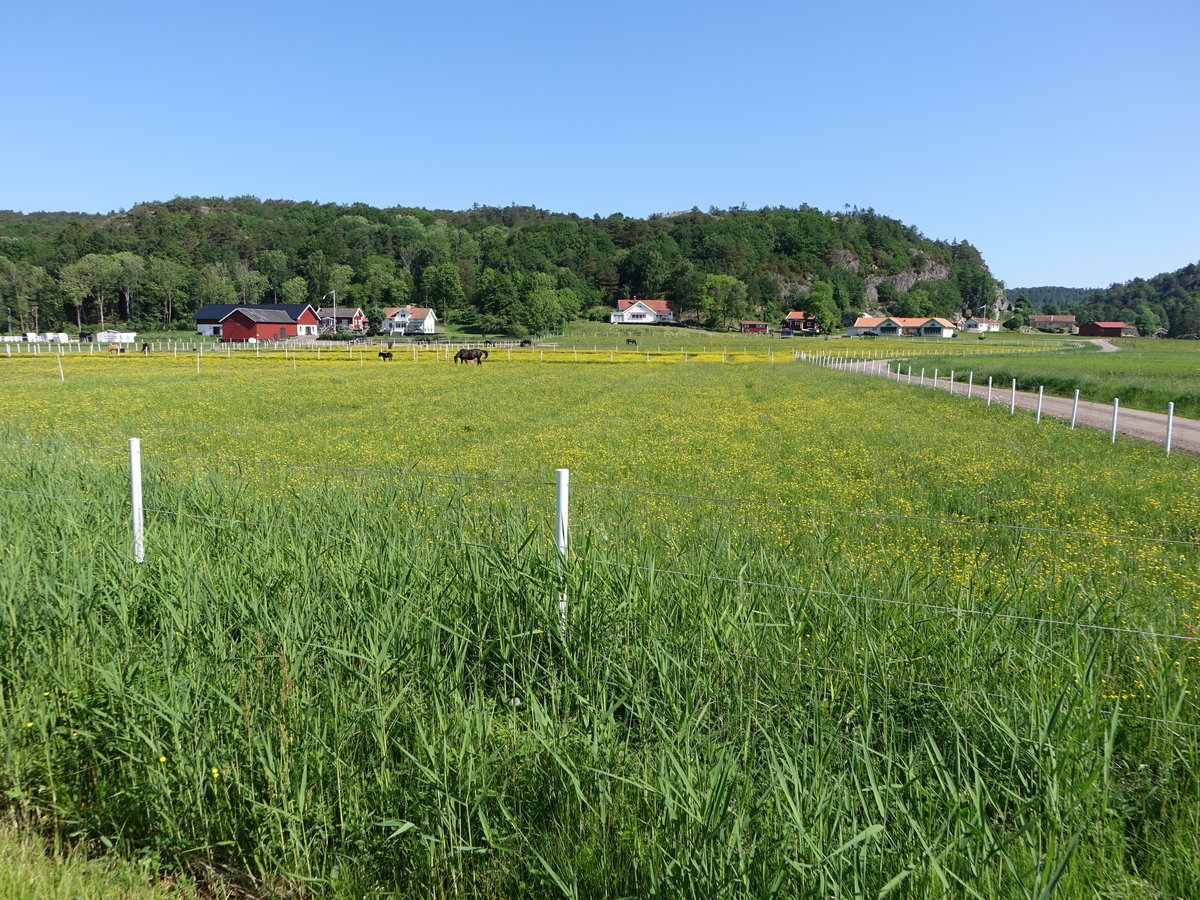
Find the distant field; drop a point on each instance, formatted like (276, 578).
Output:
(1145, 373)
(825, 635)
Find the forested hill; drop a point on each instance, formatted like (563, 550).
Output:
(1170, 300)
(512, 269)
(1038, 297)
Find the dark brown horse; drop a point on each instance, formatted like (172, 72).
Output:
(470, 355)
(631, 341)
(527, 343)
(385, 355)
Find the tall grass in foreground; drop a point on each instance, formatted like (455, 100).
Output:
(352, 696)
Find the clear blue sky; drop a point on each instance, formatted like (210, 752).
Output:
(1061, 138)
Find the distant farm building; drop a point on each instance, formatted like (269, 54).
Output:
(260, 321)
(1107, 329)
(350, 318)
(113, 337)
(642, 312)
(409, 320)
(901, 326)
(749, 326)
(977, 325)
(1053, 323)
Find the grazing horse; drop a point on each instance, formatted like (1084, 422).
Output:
(385, 355)
(468, 356)
(527, 343)
(113, 348)
(489, 343)
(631, 341)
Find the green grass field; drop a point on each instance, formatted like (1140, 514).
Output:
(826, 636)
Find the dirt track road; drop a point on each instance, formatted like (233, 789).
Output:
(1137, 423)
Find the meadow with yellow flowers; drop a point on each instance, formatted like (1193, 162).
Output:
(824, 635)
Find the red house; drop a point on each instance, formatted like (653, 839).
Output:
(798, 320)
(1107, 329)
(352, 318)
(752, 327)
(244, 324)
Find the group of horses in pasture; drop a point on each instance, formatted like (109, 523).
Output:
(465, 355)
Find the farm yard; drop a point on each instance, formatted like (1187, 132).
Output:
(825, 635)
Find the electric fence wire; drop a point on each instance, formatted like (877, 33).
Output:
(694, 498)
(714, 578)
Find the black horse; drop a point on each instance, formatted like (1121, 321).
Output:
(527, 343)
(489, 343)
(385, 355)
(469, 355)
(631, 341)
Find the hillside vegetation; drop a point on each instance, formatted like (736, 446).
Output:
(516, 269)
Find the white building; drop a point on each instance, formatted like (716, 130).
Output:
(901, 326)
(409, 320)
(977, 325)
(642, 312)
(116, 337)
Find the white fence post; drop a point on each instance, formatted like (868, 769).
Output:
(989, 396)
(1075, 409)
(970, 385)
(1041, 388)
(1012, 400)
(922, 376)
(135, 499)
(1116, 406)
(560, 537)
(935, 375)
(1170, 422)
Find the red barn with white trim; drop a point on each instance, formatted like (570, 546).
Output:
(244, 324)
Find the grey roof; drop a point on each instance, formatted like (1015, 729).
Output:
(264, 315)
(343, 312)
(215, 312)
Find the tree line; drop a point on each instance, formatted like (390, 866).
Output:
(516, 269)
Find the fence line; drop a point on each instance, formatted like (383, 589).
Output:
(912, 604)
(698, 498)
(951, 689)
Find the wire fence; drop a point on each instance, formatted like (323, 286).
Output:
(595, 559)
(957, 522)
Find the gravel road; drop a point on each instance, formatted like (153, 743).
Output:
(1137, 423)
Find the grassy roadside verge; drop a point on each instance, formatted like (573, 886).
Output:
(1143, 374)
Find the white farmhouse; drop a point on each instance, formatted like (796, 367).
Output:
(977, 325)
(408, 320)
(642, 312)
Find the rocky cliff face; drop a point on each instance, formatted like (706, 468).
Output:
(924, 269)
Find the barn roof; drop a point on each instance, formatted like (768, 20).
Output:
(266, 316)
(215, 312)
